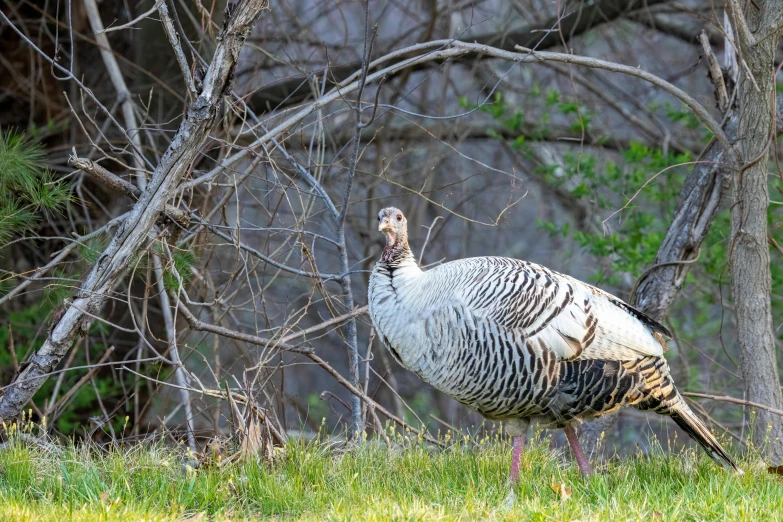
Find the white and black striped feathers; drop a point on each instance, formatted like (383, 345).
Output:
(513, 340)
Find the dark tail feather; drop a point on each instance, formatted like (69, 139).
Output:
(693, 426)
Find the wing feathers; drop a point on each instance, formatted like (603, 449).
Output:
(572, 319)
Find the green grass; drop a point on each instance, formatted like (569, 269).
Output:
(317, 481)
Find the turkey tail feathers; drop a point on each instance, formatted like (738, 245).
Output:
(693, 426)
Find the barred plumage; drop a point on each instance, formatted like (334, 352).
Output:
(516, 341)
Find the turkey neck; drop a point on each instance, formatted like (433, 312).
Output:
(397, 253)
(395, 302)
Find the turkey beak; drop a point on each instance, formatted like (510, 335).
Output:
(384, 225)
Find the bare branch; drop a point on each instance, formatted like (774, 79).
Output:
(40, 272)
(449, 49)
(117, 184)
(196, 324)
(715, 73)
(219, 394)
(173, 352)
(336, 321)
(726, 398)
(745, 37)
(589, 16)
(81, 382)
(171, 34)
(361, 395)
(134, 21)
(133, 232)
(123, 94)
(698, 109)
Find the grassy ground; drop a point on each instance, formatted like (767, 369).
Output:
(315, 481)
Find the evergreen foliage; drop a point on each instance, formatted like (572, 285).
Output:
(27, 188)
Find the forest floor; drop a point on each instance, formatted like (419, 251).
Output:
(374, 481)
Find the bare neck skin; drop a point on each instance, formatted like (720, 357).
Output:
(397, 250)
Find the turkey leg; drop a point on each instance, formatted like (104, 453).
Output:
(517, 428)
(584, 464)
(516, 458)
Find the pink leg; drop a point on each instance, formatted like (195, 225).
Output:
(584, 464)
(516, 458)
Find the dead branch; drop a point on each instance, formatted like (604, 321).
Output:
(220, 394)
(715, 73)
(173, 36)
(336, 321)
(196, 324)
(134, 21)
(59, 258)
(698, 109)
(81, 382)
(370, 402)
(134, 231)
(113, 182)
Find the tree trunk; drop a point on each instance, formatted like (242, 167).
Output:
(749, 252)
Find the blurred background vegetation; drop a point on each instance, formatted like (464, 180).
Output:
(577, 169)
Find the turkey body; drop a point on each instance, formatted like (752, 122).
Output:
(513, 340)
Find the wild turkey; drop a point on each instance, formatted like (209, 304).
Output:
(517, 342)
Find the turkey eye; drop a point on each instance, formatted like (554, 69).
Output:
(399, 217)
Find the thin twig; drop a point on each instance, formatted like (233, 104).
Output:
(171, 336)
(219, 394)
(123, 94)
(358, 393)
(439, 50)
(132, 22)
(336, 321)
(81, 382)
(726, 398)
(196, 324)
(173, 36)
(40, 272)
(427, 240)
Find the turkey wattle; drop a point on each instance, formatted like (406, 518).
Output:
(517, 342)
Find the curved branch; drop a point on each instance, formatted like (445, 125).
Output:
(697, 108)
(588, 15)
(451, 49)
